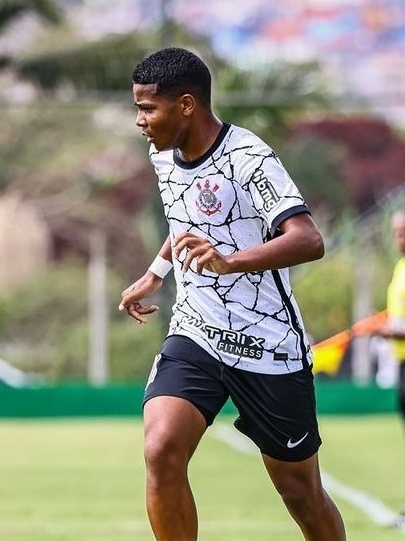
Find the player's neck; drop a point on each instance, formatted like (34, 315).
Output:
(200, 138)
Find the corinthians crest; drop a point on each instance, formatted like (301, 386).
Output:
(207, 201)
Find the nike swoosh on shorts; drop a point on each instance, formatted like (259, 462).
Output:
(292, 444)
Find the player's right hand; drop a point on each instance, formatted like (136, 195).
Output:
(133, 296)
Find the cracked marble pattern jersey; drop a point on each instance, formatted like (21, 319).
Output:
(236, 195)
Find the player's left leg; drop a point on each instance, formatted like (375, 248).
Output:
(278, 413)
(300, 486)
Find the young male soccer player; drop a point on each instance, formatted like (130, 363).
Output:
(236, 223)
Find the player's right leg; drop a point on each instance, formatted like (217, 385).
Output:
(173, 428)
(182, 397)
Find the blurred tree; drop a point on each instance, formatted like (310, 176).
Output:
(77, 178)
(48, 10)
(269, 99)
(104, 66)
(317, 165)
(374, 155)
(50, 336)
(10, 10)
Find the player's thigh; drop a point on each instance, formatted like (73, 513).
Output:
(181, 400)
(184, 370)
(293, 479)
(277, 412)
(172, 424)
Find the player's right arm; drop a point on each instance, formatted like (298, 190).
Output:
(134, 295)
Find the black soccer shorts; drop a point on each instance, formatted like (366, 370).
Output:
(277, 412)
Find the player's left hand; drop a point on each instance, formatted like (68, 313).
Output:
(200, 249)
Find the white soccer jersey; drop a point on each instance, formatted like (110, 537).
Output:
(236, 195)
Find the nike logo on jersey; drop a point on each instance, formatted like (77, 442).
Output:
(292, 444)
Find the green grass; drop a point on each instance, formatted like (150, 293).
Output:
(83, 480)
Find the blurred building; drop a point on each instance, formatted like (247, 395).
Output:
(360, 43)
(24, 242)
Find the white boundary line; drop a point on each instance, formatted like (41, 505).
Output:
(376, 510)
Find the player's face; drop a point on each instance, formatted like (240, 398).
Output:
(398, 226)
(161, 118)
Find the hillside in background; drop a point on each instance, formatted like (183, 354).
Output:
(361, 44)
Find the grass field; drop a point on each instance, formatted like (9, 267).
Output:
(82, 480)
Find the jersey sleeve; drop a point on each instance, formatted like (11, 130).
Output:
(273, 193)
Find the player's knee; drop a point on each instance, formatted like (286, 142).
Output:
(306, 503)
(298, 497)
(163, 454)
(296, 504)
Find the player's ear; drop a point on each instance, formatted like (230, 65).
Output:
(187, 104)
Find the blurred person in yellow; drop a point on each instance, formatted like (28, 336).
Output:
(394, 328)
(237, 222)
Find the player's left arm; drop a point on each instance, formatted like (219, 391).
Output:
(389, 333)
(392, 329)
(300, 241)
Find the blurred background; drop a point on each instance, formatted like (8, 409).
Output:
(322, 81)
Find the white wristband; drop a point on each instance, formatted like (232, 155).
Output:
(160, 266)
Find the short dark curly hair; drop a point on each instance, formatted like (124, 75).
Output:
(175, 71)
